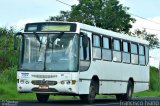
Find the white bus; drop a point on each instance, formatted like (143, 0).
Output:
(70, 58)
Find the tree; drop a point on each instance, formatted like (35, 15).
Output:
(152, 38)
(64, 16)
(106, 14)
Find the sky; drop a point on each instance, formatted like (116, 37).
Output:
(148, 9)
(18, 12)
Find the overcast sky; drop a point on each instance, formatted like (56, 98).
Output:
(18, 12)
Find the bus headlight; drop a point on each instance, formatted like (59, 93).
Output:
(62, 82)
(21, 81)
(68, 82)
(27, 82)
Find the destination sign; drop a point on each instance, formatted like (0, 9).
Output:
(50, 27)
(56, 28)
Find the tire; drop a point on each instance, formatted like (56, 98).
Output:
(89, 98)
(119, 97)
(42, 97)
(130, 88)
(128, 95)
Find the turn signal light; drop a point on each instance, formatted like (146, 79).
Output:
(73, 82)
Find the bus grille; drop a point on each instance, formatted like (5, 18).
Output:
(44, 76)
(42, 82)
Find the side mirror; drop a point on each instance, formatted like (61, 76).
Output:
(15, 40)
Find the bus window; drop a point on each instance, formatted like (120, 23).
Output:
(85, 56)
(134, 53)
(96, 47)
(116, 50)
(106, 50)
(147, 54)
(141, 55)
(106, 43)
(126, 52)
(96, 41)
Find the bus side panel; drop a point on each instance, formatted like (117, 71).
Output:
(84, 86)
(109, 74)
(84, 81)
(140, 75)
(112, 87)
(114, 76)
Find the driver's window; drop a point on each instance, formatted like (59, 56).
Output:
(85, 56)
(84, 51)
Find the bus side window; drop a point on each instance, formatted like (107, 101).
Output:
(147, 54)
(126, 52)
(117, 50)
(134, 53)
(141, 55)
(96, 47)
(85, 56)
(106, 50)
(84, 50)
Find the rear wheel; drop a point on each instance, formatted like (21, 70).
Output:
(128, 94)
(89, 98)
(42, 97)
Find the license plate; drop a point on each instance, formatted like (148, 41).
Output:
(43, 86)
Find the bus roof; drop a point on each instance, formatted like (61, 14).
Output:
(101, 31)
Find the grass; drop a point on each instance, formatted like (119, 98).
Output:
(148, 93)
(9, 92)
(8, 75)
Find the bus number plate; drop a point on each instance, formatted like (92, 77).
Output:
(43, 86)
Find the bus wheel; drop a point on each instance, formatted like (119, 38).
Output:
(42, 97)
(128, 94)
(119, 97)
(89, 98)
(130, 88)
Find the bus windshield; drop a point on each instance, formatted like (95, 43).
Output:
(49, 52)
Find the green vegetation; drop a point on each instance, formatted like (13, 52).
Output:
(149, 93)
(106, 14)
(8, 75)
(8, 57)
(154, 79)
(152, 38)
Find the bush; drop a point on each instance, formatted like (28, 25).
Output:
(154, 79)
(8, 56)
(9, 75)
